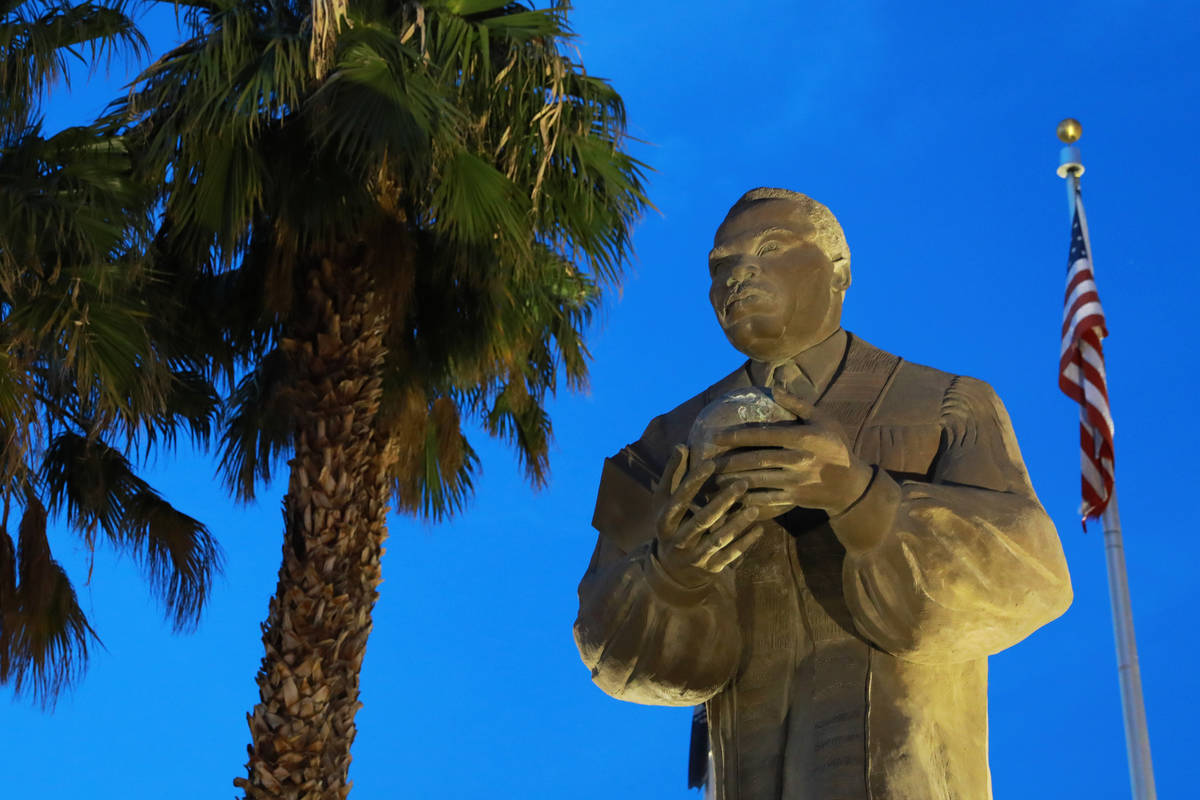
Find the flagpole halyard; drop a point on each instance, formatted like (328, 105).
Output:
(1137, 735)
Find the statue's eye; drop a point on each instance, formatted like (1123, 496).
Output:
(767, 247)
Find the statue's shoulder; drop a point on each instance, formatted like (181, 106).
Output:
(920, 394)
(919, 412)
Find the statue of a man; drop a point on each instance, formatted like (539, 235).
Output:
(830, 586)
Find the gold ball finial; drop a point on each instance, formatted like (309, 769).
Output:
(1069, 130)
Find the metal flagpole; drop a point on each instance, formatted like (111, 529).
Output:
(1137, 735)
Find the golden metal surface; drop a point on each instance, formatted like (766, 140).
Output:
(1069, 130)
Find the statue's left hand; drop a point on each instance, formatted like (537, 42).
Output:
(804, 463)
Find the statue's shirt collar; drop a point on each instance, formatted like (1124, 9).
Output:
(807, 374)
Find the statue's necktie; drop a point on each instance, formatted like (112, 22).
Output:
(790, 378)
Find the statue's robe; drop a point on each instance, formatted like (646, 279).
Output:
(835, 674)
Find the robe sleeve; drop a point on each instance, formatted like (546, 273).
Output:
(964, 565)
(646, 637)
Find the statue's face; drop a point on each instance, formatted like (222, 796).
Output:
(774, 290)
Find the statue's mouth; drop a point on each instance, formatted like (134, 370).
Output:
(740, 296)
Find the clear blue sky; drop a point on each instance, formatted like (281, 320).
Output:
(929, 130)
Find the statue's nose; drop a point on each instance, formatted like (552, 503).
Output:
(743, 271)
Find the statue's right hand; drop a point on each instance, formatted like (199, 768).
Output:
(695, 543)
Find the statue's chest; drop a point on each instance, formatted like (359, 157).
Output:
(789, 591)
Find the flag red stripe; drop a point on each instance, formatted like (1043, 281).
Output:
(1073, 318)
(1080, 271)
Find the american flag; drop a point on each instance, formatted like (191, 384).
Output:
(1081, 368)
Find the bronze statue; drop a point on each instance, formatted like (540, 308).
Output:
(829, 584)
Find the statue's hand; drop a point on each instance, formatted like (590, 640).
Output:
(695, 543)
(805, 463)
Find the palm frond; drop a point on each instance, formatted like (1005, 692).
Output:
(523, 25)
(474, 202)
(177, 553)
(378, 98)
(38, 39)
(97, 488)
(19, 424)
(257, 426)
(9, 604)
(517, 417)
(50, 634)
(434, 471)
(475, 8)
(97, 335)
(65, 200)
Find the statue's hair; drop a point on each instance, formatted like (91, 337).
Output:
(829, 234)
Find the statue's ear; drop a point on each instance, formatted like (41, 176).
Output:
(841, 274)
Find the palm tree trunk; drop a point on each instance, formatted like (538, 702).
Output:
(334, 514)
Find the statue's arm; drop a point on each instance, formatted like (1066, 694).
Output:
(646, 637)
(965, 565)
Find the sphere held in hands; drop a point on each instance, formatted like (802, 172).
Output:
(752, 405)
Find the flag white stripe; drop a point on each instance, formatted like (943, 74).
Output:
(1092, 396)
(1083, 287)
(1072, 319)
(1091, 474)
(1093, 357)
(1096, 400)
(1073, 373)
(1080, 265)
(1086, 310)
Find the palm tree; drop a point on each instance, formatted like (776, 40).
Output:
(405, 213)
(87, 376)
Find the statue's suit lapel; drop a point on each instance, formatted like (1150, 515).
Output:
(858, 386)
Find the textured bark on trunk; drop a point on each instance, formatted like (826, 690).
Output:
(334, 515)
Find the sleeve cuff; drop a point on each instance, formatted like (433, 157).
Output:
(666, 587)
(868, 521)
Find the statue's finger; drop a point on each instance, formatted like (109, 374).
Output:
(681, 469)
(770, 496)
(710, 514)
(690, 486)
(680, 500)
(766, 458)
(768, 478)
(734, 550)
(785, 435)
(792, 403)
(733, 526)
(673, 473)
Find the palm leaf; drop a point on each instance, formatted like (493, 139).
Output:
(50, 635)
(474, 202)
(96, 486)
(9, 604)
(433, 474)
(177, 553)
(37, 38)
(471, 8)
(258, 426)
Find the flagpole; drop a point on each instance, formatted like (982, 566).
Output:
(1137, 735)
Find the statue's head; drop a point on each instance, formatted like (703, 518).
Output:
(780, 268)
